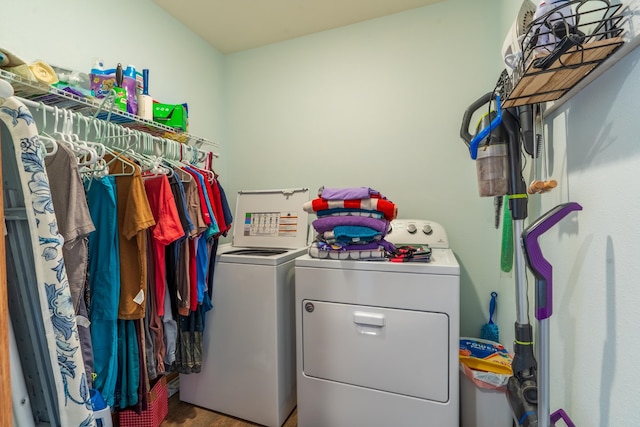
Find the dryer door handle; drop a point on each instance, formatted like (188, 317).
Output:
(369, 319)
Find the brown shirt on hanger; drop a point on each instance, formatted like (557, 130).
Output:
(134, 217)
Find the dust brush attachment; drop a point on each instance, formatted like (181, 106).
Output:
(489, 331)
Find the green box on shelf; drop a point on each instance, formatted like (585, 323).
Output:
(172, 115)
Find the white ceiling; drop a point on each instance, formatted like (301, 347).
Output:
(235, 25)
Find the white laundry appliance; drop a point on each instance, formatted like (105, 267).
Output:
(377, 341)
(248, 369)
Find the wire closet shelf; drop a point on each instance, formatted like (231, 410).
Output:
(91, 107)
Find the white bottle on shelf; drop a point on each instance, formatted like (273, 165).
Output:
(145, 102)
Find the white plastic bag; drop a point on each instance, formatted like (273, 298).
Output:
(486, 380)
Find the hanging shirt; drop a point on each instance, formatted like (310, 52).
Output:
(187, 259)
(104, 284)
(193, 207)
(204, 207)
(226, 210)
(203, 184)
(215, 225)
(134, 217)
(72, 215)
(193, 274)
(176, 276)
(128, 364)
(177, 189)
(156, 326)
(166, 230)
(183, 288)
(104, 261)
(200, 262)
(74, 224)
(218, 208)
(149, 349)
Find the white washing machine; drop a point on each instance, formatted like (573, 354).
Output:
(377, 341)
(248, 368)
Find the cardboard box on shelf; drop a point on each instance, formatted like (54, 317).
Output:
(172, 115)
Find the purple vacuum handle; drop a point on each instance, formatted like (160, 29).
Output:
(560, 414)
(538, 265)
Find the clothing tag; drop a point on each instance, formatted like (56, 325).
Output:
(5, 228)
(139, 299)
(83, 321)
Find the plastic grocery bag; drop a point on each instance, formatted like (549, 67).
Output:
(486, 363)
(486, 380)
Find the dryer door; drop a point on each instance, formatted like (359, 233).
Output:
(398, 351)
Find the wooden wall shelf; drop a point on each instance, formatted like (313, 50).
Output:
(537, 85)
(596, 24)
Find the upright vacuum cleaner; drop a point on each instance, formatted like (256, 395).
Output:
(513, 127)
(542, 272)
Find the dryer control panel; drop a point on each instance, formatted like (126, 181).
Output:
(417, 232)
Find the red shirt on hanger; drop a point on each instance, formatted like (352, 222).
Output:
(167, 230)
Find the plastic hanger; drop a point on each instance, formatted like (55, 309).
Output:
(97, 146)
(47, 140)
(104, 168)
(118, 163)
(154, 167)
(170, 155)
(127, 168)
(194, 155)
(86, 156)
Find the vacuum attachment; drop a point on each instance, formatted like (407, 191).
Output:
(489, 331)
(488, 146)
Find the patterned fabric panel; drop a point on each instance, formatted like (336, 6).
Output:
(53, 287)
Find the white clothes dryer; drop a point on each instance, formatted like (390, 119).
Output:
(248, 368)
(377, 341)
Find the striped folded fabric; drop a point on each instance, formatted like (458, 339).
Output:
(388, 208)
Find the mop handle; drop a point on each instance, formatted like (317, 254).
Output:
(538, 265)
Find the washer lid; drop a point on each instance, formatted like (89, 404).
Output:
(271, 219)
(230, 254)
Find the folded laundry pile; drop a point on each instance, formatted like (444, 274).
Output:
(351, 223)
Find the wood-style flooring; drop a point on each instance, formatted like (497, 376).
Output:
(185, 414)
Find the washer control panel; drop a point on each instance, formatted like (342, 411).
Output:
(417, 232)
